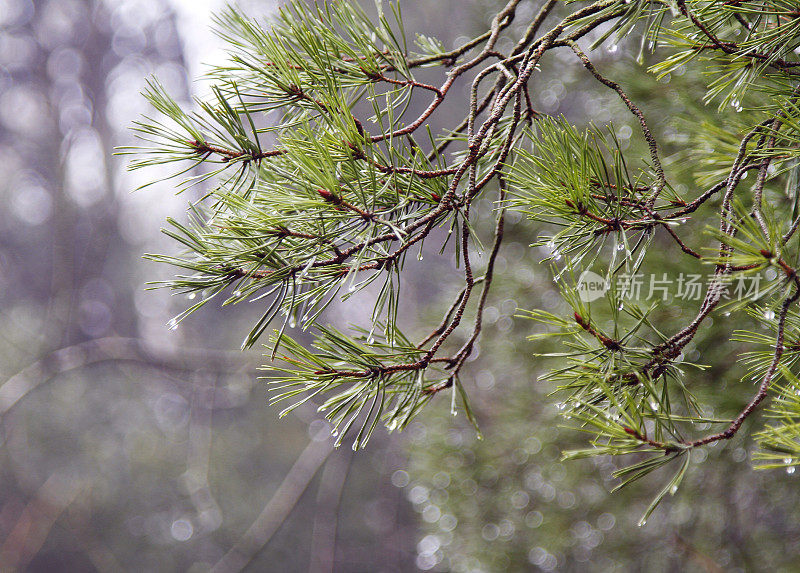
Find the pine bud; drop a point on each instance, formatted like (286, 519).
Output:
(329, 197)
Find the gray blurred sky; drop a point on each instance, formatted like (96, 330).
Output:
(200, 44)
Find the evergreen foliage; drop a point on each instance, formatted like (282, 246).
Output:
(342, 184)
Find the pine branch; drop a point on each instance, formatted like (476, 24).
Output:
(344, 198)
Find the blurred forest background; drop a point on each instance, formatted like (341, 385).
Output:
(127, 445)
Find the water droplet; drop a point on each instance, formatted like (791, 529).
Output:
(181, 530)
(237, 293)
(787, 461)
(673, 489)
(351, 288)
(292, 323)
(790, 470)
(726, 314)
(769, 314)
(642, 522)
(335, 433)
(621, 306)
(653, 405)
(621, 246)
(612, 48)
(172, 324)
(560, 406)
(191, 296)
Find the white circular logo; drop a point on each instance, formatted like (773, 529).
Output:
(591, 286)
